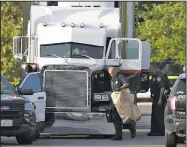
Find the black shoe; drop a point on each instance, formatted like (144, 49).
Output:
(118, 136)
(161, 134)
(153, 134)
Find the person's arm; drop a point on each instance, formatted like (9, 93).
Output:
(123, 82)
(124, 86)
(161, 93)
(161, 86)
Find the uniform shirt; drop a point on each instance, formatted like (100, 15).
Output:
(157, 82)
(118, 81)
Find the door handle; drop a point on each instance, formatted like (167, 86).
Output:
(40, 97)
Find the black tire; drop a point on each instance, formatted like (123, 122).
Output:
(25, 140)
(170, 140)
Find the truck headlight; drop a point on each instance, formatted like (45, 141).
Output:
(100, 97)
(29, 107)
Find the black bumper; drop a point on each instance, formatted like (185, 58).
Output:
(24, 129)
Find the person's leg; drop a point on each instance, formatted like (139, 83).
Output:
(160, 119)
(117, 124)
(153, 131)
(132, 129)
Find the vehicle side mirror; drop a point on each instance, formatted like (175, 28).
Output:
(25, 91)
(166, 93)
(18, 89)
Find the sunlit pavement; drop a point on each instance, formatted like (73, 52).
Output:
(141, 139)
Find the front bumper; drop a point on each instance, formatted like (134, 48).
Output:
(24, 129)
(172, 124)
(22, 125)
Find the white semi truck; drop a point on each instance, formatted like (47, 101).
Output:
(72, 44)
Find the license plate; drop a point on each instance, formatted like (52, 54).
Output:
(6, 123)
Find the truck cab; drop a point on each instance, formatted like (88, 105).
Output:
(73, 44)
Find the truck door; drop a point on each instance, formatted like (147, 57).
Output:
(126, 54)
(146, 49)
(33, 81)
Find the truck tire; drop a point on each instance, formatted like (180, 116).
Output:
(170, 140)
(25, 140)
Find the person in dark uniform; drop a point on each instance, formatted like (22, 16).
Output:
(28, 69)
(118, 82)
(157, 87)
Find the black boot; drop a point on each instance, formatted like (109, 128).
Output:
(118, 136)
(133, 133)
(152, 134)
(133, 130)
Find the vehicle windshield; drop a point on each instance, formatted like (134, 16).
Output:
(71, 50)
(6, 87)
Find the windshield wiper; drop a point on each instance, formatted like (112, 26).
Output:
(85, 56)
(73, 55)
(54, 55)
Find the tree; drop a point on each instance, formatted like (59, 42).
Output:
(164, 26)
(11, 25)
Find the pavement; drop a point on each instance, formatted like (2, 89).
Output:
(141, 140)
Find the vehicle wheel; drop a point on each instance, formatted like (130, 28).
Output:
(25, 140)
(170, 140)
(36, 136)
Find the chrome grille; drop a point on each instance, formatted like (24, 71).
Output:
(66, 88)
(16, 113)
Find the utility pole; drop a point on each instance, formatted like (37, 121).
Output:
(26, 16)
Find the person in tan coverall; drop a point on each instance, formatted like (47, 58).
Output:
(118, 82)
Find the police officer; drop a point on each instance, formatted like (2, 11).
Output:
(28, 69)
(157, 87)
(118, 82)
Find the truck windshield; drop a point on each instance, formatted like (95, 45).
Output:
(71, 50)
(6, 87)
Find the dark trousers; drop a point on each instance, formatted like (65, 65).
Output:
(157, 118)
(116, 120)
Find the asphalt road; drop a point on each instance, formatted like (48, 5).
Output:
(141, 139)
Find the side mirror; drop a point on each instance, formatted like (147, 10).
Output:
(17, 88)
(34, 106)
(25, 91)
(166, 93)
(18, 58)
(119, 45)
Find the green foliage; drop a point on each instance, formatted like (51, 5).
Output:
(164, 26)
(11, 25)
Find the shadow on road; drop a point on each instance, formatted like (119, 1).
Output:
(141, 140)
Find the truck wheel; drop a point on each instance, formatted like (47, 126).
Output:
(25, 140)
(170, 140)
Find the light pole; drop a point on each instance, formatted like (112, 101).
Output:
(26, 16)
